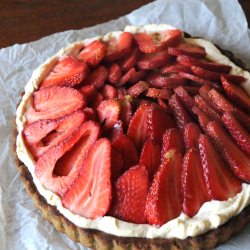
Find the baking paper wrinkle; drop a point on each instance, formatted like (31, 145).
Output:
(21, 224)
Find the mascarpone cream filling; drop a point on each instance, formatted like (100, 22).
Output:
(211, 215)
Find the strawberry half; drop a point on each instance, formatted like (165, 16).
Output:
(221, 183)
(188, 50)
(193, 179)
(118, 47)
(191, 134)
(115, 74)
(164, 201)
(93, 53)
(130, 193)
(90, 194)
(54, 102)
(239, 134)
(150, 157)
(158, 41)
(67, 71)
(138, 88)
(236, 158)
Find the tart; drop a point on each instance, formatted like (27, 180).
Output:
(138, 140)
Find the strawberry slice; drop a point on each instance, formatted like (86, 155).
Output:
(67, 71)
(115, 74)
(236, 158)
(158, 93)
(175, 68)
(46, 162)
(164, 201)
(154, 60)
(109, 92)
(163, 104)
(234, 78)
(193, 180)
(122, 92)
(125, 146)
(239, 134)
(150, 157)
(236, 93)
(126, 109)
(160, 81)
(191, 134)
(138, 88)
(190, 61)
(172, 139)
(157, 41)
(180, 114)
(108, 113)
(90, 194)
(130, 193)
(89, 92)
(126, 77)
(129, 61)
(97, 77)
(137, 76)
(220, 181)
(138, 129)
(118, 47)
(203, 118)
(98, 100)
(90, 114)
(116, 164)
(188, 50)
(54, 102)
(93, 53)
(192, 90)
(158, 121)
(186, 99)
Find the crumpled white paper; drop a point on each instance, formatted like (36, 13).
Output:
(21, 224)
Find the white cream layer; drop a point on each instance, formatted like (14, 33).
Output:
(211, 215)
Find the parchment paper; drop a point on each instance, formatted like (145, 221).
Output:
(21, 224)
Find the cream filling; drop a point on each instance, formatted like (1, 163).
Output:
(211, 215)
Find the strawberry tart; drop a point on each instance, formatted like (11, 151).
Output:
(138, 139)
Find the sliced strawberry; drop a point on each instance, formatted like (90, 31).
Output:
(239, 134)
(127, 76)
(172, 139)
(163, 104)
(116, 164)
(199, 80)
(160, 81)
(221, 183)
(108, 113)
(150, 157)
(191, 90)
(175, 68)
(73, 159)
(137, 76)
(158, 121)
(236, 93)
(203, 119)
(90, 194)
(154, 60)
(158, 41)
(129, 61)
(138, 129)
(89, 92)
(93, 53)
(130, 193)
(159, 93)
(54, 102)
(138, 88)
(67, 71)
(118, 47)
(188, 50)
(207, 109)
(126, 109)
(90, 114)
(46, 162)
(125, 146)
(191, 134)
(98, 100)
(115, 74)
(109, 92)
(97, 77)
(186, 99)
(181, 115)
(193, 179)
(190, 61)
(236, 158)
(122, 92)
(234, 78)
(164, 201)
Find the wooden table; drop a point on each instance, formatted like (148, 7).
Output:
(23, 21)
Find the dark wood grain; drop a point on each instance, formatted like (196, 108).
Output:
(23, 21)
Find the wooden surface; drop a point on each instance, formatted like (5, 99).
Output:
(23, 21)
